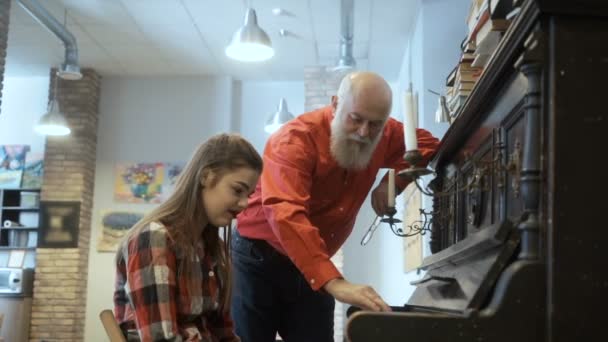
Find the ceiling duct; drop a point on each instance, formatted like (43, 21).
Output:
(69, 70)
(346, 61)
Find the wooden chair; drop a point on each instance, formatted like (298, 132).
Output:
(111, 326)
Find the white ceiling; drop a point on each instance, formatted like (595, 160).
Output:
(188, 37)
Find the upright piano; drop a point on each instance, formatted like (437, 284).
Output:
(519, 232)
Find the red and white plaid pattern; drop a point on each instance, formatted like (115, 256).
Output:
(151, 299)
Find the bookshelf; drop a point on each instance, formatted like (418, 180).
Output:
(19, 224)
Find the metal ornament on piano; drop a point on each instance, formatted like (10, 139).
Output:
(417, 227)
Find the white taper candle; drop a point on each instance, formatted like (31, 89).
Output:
(409, 122)
(391, 188)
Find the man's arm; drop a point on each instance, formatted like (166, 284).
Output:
(286, 186)
(427, 145)
(286, 181)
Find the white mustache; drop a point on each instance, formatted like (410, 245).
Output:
(360, 139)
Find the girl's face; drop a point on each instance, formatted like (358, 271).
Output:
(224, 196)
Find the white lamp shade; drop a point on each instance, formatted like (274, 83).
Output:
(53, 123)
(250, 43)
(279, 118)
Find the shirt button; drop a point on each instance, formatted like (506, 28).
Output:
(332, 235)
(341, 209)
(211, 274)
(216, 305)
(312, 281)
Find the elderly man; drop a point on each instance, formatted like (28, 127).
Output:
(318, 170)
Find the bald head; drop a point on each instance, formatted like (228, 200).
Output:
(366, 90)
(361, 109)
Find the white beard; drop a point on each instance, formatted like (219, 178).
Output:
(350, 150)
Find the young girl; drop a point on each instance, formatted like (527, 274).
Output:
(173, 270)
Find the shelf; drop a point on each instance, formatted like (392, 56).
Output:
(22, 189)
(6, 248)
(20, 208)
(21, 228)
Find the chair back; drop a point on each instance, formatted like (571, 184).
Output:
(1, 320)
(111, 326)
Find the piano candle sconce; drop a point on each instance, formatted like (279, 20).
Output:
(419, 227)
(481, 168)
(474, 186)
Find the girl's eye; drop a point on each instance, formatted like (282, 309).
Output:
(238, 191)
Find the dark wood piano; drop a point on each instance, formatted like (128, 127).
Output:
(519, 235)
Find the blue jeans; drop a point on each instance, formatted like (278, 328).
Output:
(270, 295)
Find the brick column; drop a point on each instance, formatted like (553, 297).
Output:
(58, 309)
(320, 84)
(5, 7)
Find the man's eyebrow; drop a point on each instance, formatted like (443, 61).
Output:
(360, 117)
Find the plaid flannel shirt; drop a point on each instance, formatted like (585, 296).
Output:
(151, 300)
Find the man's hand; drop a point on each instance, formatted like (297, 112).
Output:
(362, 296)
(380, 199)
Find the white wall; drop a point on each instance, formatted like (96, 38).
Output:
(433, 49)
(164, 119)
(24, 101)
(145, 119)
(260, 100)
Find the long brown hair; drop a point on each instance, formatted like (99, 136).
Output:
(183, 215)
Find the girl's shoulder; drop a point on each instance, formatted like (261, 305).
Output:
(152, 235)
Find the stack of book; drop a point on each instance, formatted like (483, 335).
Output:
(460, 82)
(487, 21)
(489, 29)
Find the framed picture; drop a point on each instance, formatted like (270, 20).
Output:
(138, 182)
(12, 164)
(59, 224)
(413, 244)
(15, 258)
(114, 225)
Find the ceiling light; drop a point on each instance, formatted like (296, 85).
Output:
(278, 119)
(53, 122)
(250, 43)
(280, 12)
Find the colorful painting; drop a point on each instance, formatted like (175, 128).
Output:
(33, 172)
(114, 226)
(139, 182)
(172, 172)
(12, 163)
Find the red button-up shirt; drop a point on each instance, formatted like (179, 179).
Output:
(305, 204)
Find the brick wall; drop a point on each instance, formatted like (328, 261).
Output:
(58, 309)
(5, 6)
(320, 84)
